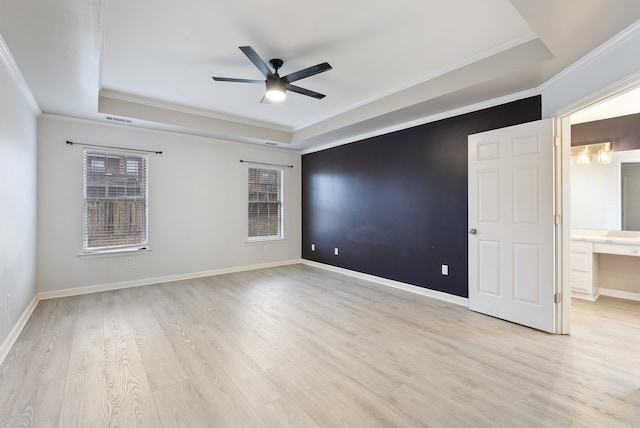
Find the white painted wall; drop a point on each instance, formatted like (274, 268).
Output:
(17, 199)
(197, 205)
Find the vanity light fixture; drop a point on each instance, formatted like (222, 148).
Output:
(586, 152)
(604, 156)
(584, 158)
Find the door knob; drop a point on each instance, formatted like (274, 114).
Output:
(473, 231)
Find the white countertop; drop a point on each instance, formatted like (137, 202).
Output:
(607, 236)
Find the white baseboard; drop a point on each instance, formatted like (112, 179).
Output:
(157, 280)
(584, 296)
(17, 329)
(620, 294)
(462, 301)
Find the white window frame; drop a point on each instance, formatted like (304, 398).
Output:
(141, 244)
(263, 238)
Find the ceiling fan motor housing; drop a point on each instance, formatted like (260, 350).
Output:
(276, 63)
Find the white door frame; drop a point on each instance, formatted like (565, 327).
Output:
(563, 125)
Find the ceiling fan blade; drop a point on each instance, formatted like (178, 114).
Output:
(309, 71)
(303, 91)
(256, 60)
(231, 79)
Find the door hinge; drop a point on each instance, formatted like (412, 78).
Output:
(556, 141)
(557, 298)
(556, 219)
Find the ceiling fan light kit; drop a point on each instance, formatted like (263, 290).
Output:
(275, 94)
(276, 87)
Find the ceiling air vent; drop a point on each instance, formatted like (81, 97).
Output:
(119, 119)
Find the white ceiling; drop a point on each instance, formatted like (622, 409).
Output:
(393, 62)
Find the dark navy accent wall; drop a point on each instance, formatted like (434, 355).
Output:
(395, 205)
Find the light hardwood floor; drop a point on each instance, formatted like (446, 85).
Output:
(302, 347)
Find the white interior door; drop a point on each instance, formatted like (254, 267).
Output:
(511, 224)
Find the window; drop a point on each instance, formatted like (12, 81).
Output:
(265, 203)
(115, 201)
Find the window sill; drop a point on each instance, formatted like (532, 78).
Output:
(264, 240)
(114, 253)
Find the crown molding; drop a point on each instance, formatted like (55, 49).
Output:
(427, 119)
(15, 73)
(618, 40)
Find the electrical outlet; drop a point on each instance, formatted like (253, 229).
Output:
(445, 269)
(335, 251)
(128, 261)
(313, 247)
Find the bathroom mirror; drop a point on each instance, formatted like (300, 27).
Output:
(630, 191)
(606, 196)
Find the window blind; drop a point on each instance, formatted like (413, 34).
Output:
(265, 203)
(115, 200)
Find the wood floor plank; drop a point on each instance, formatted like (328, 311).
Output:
(228, 405)
(39, 320)
(84, 400)
(321, 404)
(13, 373)
(286, 413)
(339, 360)
(130, 399)
(39, 405)
(299, 346)
(160, 363)
(225, 357)
(182, 405)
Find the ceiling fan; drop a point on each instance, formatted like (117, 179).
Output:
(276, 86)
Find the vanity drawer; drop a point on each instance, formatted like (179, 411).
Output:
(580, 247)
(580, 262)
(623, 250)
(580, 281)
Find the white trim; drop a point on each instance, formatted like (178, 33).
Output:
(576, 294)
(157, 280)
(264, 240)
(597, 53)
(17, 329)
(450, 298)
(563, 208)
(15, 73)
(114, 252)
(611, 90)
(628, 295)
(428, 119)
